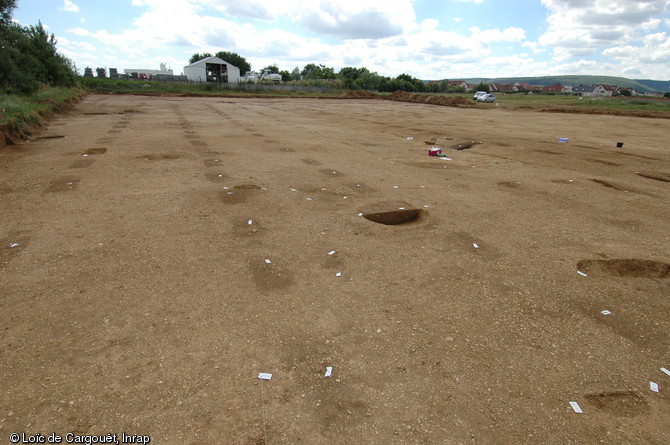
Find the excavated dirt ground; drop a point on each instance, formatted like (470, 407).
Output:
(157, 254)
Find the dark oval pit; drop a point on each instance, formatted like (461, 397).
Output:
(391, 213)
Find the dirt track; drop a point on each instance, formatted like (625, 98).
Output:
(136, 296)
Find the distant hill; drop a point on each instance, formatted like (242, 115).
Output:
(640, 85)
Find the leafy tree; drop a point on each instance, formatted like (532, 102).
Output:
(313, 71)
(6, 7)
(626, 92)
(29, 57)
(295, 74)
(272, 69)
(349, 75)
(367, 80)
(483, 87)
(235, 60)
(667, 95)
(285, 76)
(197, 56)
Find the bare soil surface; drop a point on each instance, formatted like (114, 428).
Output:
(158, 253)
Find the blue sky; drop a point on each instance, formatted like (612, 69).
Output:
(429, 39)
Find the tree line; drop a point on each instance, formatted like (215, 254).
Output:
(348, 77)
(28, 56)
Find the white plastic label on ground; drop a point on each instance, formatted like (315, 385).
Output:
(267, 261)
(339, 274)
(576, 408)
(605, 312)
(475, 245)
(332, 252)
(582, 273)
(653, 386)
(665, 371)
(329, 371)
(265, 376)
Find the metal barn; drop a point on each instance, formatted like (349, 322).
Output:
(212, 69)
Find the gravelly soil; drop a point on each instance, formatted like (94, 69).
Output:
(165, 251)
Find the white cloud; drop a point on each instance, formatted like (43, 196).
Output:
(608, 36)
(69, 6)
(533, 46)
(654, 50)
(581, 27)
(350, 19)
(382, 36)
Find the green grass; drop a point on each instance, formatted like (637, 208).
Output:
(20, 114)
(536, 101)
(123, 86)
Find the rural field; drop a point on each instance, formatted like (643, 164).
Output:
(158, 253)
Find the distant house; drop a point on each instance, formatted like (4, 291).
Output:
(558, 88)
(584, 90)
(502, 88)
(212, 69)
(592, 90)
(458, 83)
(612, 89)
(524, 86)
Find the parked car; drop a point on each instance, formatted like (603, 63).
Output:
(479, 94)
(487, 98)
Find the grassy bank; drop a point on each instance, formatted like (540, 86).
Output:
(562, 101)
(123, 86)
(20, 114)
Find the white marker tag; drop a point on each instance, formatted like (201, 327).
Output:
(665, 371)
(267, 261)
(475, 245)
(576, 408)
(14, 245)
(265, 376)
(653, 386)
(250, 222)
(329, 371)
(339, 274)
(582, 273)
(605, 312)
(332, 252)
